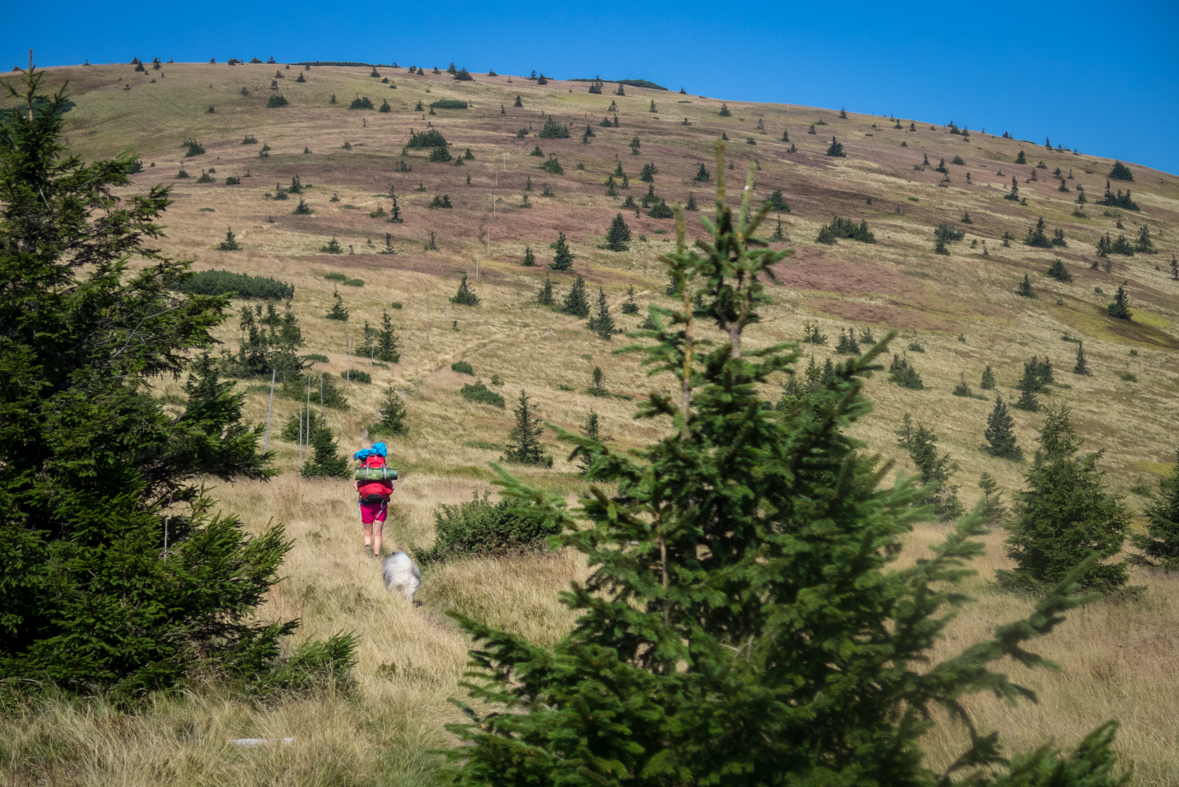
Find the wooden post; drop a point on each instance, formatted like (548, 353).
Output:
(300, 436)
(266, 442)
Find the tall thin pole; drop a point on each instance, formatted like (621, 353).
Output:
(321, 393)
(505, 162)
(308, 432)
(348, 367)
(489, 241)
(300, 435)
(269, 407)
(476, 268)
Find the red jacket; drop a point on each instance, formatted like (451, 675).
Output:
(382, 488)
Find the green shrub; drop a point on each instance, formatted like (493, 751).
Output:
(661, 210)
(1120, 172)
(462, 367)
(448, 103)
(431, 138)
(192, 148)
(353, 282)
(481, 394)
(276, 101)
(553, 167)
(845, 228)
(553, 130)
(357, 376)
(440, 154)
(242, 285)
(901, 372)
(483, 529)
(361, 102)
(335, 277)
(1058, 271)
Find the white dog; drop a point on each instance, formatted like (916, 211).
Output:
(401, 574)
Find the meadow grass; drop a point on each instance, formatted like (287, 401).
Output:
(1116, 657)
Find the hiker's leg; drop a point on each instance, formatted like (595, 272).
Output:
(366, 519)
(378, 527)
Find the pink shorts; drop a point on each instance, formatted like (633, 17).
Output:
(373, 512)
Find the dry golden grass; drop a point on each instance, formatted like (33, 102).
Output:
(1118, 658)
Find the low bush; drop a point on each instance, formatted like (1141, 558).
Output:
(276, 101)
(481, 394)
(448, 103)
(481, 528)
(429, 139)
(462, 367)
(361, 102)
(357, 376)
(241, 285)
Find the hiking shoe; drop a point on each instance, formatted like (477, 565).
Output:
(368, 550)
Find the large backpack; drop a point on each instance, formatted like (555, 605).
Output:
(375, 491)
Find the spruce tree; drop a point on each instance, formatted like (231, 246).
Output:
(598, 382)
(1058, 271)
(1082, 366)
(562, 257)
(386, 341)
(524, 442)
(1000, 433)
(1174, 268)
(392, 415)
(545, 296)
(994, 511)
(326, 462)
(1120, 307)
(1028, 387)
(743, 622)
(934, 471)
(1025, 288)
(630, 307)
(118, 579)
(230, 243)
(575, 302)
(1064, 516)
(618, 235)
(591, 431)
(602, 323)
(465, 296)
(529, 258)
(1160, 542)
(836, 149)
(338, 311)
(988, 380)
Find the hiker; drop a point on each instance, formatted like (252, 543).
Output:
(374, 498)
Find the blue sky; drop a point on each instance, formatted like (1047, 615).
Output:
(1099, 77)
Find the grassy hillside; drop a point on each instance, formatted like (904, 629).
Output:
(961, 308)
